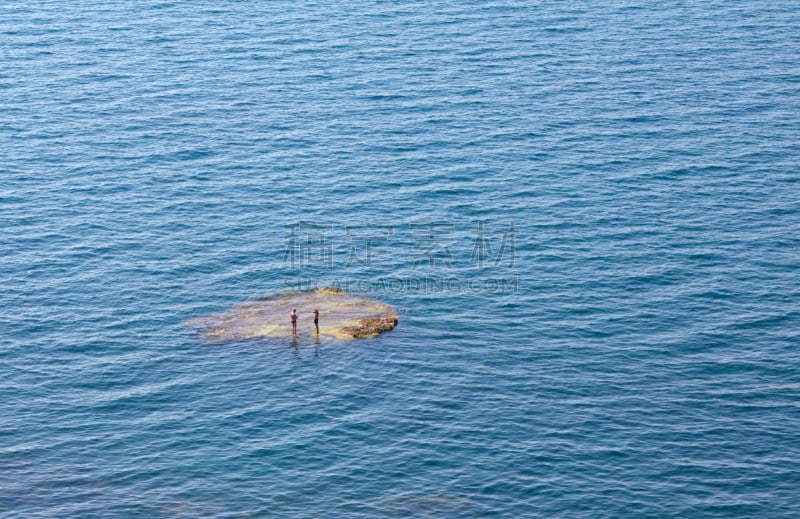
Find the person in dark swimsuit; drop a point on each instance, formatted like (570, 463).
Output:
(293, 316)
(316, 319)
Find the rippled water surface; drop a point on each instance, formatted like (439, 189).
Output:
(587, 215)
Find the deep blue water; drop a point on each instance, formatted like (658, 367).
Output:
(587, 215)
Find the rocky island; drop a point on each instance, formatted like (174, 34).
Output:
(342, 316)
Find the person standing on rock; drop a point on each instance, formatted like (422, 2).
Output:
(293, 316)
(316, 319)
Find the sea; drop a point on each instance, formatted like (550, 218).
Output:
(586, 214)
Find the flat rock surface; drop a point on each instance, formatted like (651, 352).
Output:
(341, 315)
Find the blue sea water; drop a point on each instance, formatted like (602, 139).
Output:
(587, 215)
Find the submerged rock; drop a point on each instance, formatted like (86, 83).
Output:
(341, 316)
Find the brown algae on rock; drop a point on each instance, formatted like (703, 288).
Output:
(370, 326)
(341, 316)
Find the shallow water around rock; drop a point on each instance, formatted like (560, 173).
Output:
(341, 316)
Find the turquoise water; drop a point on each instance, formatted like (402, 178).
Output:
(587, 216)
